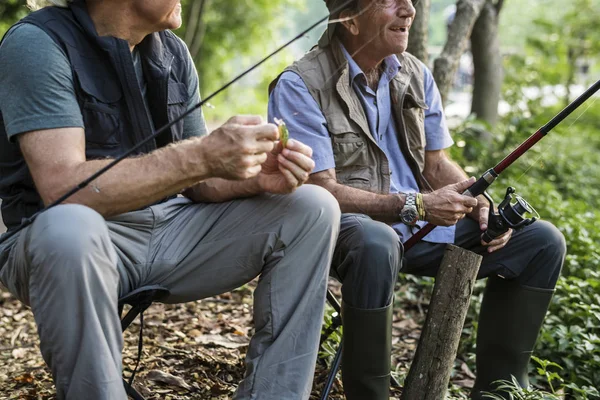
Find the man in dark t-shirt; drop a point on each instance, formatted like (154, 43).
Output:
(200, 214)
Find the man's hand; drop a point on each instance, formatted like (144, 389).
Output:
(446, 206)
(481, 215)
(237, 149)
(286, 168)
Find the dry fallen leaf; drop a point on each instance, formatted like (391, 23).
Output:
(19, 353)
(408, 323)
(194, 333)
(230, 341)
(25, 378)
(464, 368)
(168, 379)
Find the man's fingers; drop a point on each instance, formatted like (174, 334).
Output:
(463, 185)
(246, 120)
(300, 173)
(483, 217)
(292, 181)
(499, 242)
(263, 132)
(253, 160)
(301, 160)
(299, 147)
(264, 146)
(468, 201)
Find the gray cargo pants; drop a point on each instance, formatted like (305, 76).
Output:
(72, 265)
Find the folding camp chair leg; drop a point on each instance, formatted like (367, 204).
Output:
(139, 300)
(334, 302)
(335, 366)
(131, 392)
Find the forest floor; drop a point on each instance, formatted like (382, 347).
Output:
(191, 351)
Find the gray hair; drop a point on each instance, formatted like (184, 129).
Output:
(37, 4)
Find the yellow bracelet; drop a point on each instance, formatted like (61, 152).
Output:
(420, 206)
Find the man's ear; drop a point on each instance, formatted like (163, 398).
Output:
(349, 21)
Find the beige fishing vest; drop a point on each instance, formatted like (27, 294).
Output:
(359, 161)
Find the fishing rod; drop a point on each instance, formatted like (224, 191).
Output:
(28, 221)
(510, 214)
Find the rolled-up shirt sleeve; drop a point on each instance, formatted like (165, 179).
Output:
(291, 102)
(436, 130)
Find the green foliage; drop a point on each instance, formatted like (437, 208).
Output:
(238, 34)
(559, 177)
(10, 12)
(513, 391)
(547, 369)
(514, 35)
(334, 338)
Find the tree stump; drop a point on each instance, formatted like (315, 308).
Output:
(430, 370)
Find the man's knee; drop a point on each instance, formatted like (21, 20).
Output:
(374, 242)
(381, 245)
(373, 253)
(546, 240)
(68, 235)
(369, 259)
(316, 206)
(552, 239)
(548, 247)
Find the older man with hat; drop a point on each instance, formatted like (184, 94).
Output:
(373, 116)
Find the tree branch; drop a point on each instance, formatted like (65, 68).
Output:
(200, 31)
(192, 23)
(499, 5)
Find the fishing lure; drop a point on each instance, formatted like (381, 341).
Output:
(284, 134)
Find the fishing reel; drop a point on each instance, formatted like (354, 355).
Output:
(513, 213)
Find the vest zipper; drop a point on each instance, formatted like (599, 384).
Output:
(133, 97)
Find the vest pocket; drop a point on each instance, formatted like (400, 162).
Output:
(413, 112)
(356, 177)
(351, 155)
(349, 150)
(102, 125)
(100, 108)
(177, 105)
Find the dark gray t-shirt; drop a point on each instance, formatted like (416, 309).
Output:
(37, 90)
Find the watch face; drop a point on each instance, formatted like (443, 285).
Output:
(409, 216)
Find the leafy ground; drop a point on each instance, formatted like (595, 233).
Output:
(191, 351)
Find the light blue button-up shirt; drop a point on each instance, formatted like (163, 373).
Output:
(292, 102)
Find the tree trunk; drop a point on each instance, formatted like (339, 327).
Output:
(572, 57)
(459, 31)
(417, 40)
(487, 63)
(430, 370)
(195, 27)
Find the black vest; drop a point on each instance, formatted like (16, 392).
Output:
(109, 97)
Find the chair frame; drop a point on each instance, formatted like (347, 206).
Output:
(139, 300)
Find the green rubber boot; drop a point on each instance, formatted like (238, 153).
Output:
(509, 323)
(366, 355)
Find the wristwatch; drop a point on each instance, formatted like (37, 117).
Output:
(409, 214)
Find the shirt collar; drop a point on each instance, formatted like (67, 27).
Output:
(391, 63)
